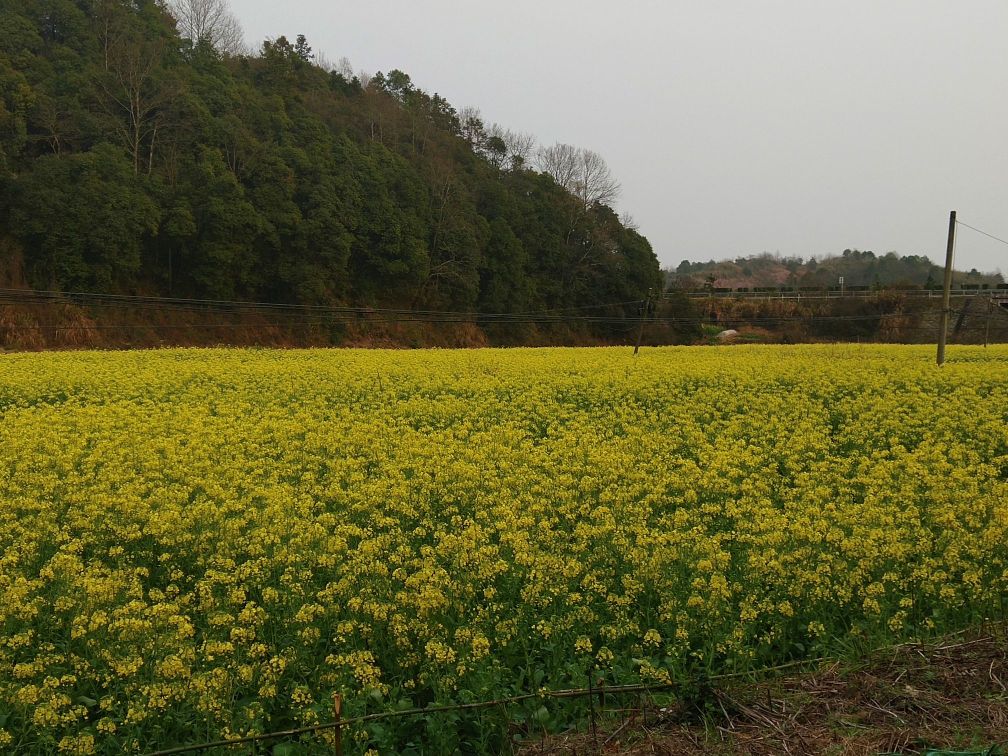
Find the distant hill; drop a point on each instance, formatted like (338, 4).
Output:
(857, 268)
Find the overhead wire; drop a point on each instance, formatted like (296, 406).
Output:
(327, 316)
(981, 231)
(176, 303)
(771, 320)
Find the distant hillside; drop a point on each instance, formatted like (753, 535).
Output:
(856, 267)
(135, 159)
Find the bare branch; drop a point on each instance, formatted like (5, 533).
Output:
(211, 21)
(628, 221)
(344, 68)
(520, 147)
(581, 172)
(561, 163)
(595, 184)
(323, 62)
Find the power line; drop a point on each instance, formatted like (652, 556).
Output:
(321, 316)
(980, 231)
(629, 322)
(302, 322)
(202, 304)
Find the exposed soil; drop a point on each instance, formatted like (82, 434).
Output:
(911, 699)
(67, 326)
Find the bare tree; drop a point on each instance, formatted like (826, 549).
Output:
(595, 184)
(211, 21)
(345, 68)
(57, 124)
(107, 16)
(520, 146)
(561, 163)
(341, 66)
(628, 221)
(581, 172)
(513, 148)
(323, 62)
(136, 91)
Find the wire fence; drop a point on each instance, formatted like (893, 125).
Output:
(594, 690)
(600, 696)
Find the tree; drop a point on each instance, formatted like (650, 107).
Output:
(581, 172)
(559, 162)
(399, 85)
(211, 21)
(452, 275)
(217, 258)
(594, 183)
(303, 50)
(496, 150)
(281, 50)
(591, 187)
(504, 283)
(17, 100)
(471, 127)
(279, 178)
(83, 219)
(136, 88)
(520, 147)
(345, 69)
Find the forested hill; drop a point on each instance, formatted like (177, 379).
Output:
(857, 267)
(135, 160)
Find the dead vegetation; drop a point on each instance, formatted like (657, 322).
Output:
(68, 325)
(915, 698)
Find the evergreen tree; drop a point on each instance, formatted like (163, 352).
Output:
(135, 158)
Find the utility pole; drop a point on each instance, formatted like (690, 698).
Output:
(644, 312)
(947, 296)
(990, 309)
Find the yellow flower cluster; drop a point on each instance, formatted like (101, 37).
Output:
(205, 543)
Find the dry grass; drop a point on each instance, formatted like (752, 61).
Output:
(908, 700)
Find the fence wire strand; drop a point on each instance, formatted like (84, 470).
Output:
(570, 693)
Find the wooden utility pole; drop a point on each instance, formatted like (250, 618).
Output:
(990, 309)
(947, 297)
(644, 313)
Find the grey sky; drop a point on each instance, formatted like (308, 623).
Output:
(798, 127)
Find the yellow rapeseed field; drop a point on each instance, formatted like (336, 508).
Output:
(207, 544)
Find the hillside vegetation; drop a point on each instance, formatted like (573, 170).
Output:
(858, 268)
(136, 160)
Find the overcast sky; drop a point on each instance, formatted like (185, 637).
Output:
(796, 127)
